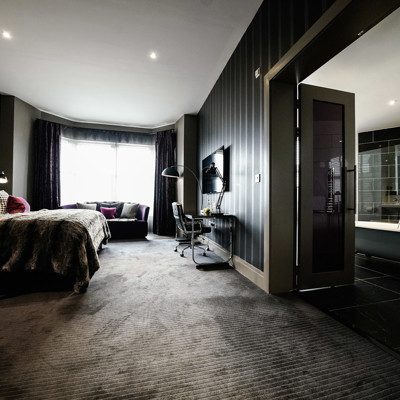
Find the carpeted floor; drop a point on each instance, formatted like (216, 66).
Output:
(151, 326)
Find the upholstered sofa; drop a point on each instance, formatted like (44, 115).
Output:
(125, 220)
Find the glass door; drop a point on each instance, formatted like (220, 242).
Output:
(327, 188)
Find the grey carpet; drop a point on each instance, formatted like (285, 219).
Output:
(151, 326)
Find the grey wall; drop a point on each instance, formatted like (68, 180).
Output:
(187, 187)
(6, 140)
(232, 115)
(16, 130)
(24, 118)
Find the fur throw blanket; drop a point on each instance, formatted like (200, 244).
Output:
(64, 242)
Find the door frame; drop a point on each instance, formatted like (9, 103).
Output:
(343, 23)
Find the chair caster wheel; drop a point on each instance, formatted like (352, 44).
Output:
(176, 250)
(181, 255)
(204, 254)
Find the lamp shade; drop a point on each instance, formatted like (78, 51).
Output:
(3, 178)
(171, 172)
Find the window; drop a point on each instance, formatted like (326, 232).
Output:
(99, 171)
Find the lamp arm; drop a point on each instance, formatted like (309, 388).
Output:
(195, 177)
(219, 174)
(221, 193)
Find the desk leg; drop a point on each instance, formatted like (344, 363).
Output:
(221, 264)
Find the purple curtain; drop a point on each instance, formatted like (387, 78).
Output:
(165, 188)
(46, 182)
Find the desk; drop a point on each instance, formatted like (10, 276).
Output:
(218, 264)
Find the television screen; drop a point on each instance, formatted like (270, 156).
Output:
(211, 183)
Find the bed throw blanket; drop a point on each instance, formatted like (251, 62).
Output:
(64, 242)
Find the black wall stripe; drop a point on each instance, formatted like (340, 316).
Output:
(232, 115)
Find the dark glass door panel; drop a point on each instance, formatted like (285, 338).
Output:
(326, 190)
(328, 224)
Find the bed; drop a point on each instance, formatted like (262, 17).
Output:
(53, 242)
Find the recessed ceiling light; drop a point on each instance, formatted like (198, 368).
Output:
(392, 102)
(6, 34)
(153, 55)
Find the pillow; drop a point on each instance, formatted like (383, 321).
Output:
(3, 201)
(129, 210)
(109, 213)
(86, 206)
(118, 206)
(17, 205)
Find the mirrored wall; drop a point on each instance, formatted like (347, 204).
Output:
(379, 175)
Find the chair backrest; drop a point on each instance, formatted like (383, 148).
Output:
(179, 216)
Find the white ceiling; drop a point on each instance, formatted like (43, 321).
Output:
(88, 60)
(370, 68)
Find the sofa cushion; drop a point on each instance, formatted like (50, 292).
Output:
(129, 210)
(86, 206)
(108, 212)
(106, 204)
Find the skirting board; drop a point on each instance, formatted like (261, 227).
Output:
(252, 273)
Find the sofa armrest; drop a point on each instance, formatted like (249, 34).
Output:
(143, 212)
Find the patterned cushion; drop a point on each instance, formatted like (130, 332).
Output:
(17, 205)
(3, 201)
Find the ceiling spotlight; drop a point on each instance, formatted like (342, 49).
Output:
(392, 102)
(6, 34)
(153, 55)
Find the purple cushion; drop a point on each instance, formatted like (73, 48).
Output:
(17, 205)
(109, 213)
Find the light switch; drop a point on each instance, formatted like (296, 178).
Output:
(257, 178)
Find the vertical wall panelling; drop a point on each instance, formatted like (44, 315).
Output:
(232, 115)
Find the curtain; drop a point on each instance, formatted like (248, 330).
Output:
(165, 188)
(101, 135)
(46, 182)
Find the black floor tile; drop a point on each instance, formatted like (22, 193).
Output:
(360, 293)
(381, 321)
(381, 265)
(364, 273)
(386, 282)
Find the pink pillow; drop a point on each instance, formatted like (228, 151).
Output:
(17, 205)
(109, 213)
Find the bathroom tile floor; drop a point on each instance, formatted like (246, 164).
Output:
(371, 306)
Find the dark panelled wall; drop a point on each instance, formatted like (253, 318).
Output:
(232, 116)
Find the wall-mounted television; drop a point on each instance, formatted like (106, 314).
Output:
(211, 183)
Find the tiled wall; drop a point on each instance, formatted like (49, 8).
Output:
(379, 175)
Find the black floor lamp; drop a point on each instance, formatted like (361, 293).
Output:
(3, 178)
(172, 172)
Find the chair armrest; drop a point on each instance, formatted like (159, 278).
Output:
(196, 219)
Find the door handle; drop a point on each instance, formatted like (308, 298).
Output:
(354, 170)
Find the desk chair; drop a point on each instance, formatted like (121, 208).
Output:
(190, 228)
